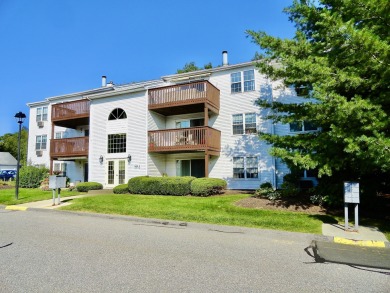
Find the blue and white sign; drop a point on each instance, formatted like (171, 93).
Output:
(351, 192)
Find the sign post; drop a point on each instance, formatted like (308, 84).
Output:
(351, 195)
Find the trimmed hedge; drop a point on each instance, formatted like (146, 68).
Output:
(121, 189)
(207, 186)
(160, 185)
(85, 186)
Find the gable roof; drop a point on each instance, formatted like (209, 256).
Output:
(7, 159)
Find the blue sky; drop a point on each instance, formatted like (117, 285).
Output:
(49, 48)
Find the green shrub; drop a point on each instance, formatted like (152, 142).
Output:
(267, 191)
(207, 186)
(121, 189)
(289, 189)
(31, 177)
(266, 185)
(86, 186)
(160, 185)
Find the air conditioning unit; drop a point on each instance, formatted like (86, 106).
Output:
(39, 153)
(40, 124)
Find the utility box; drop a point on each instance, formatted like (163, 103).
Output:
(57, 182)
(351, 192)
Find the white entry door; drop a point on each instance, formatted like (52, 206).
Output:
(116, 172)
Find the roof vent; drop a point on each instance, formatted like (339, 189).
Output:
(104, 81)
(225, 58)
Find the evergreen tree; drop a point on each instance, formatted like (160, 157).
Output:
(341, 55)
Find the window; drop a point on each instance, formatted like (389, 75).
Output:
(249, 126)
(59, 135)
(245, 167)
(117, 113)
(41, 114)
(40, 142)
(235, 79)
(301, 126)
(116, 143)
(60, 168)
(238, 124)
(249, 81)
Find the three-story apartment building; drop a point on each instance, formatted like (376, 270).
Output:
(203, 123)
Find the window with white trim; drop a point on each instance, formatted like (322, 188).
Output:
(40, 142)
(41, 114)
(245, 167)
(116, 143)
(116, 114)
(302, 126)
(244, 123)
(60, 168)
(236, 78)
(59, 135)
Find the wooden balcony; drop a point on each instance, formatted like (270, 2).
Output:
(66, 148)
(71, 114)
(193, 139)
(184, 98)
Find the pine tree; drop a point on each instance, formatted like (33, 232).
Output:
(341, 55)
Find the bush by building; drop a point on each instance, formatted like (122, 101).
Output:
(31, 177)
(207, 186)
(160, 185)
(121, 189)
(86, 186)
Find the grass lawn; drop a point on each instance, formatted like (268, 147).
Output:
(214, 210)
(7, 196)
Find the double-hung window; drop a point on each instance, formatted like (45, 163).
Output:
(245, 167)
(248, 78)
(235, 79)
(116, 143)
(40, 142)
(60, 168)
(244, 123)
(41, 114)
(302, 126)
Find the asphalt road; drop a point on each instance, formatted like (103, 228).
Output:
(52, 251)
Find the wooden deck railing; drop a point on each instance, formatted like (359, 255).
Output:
(70, 110)
(69, 147)
(185, 139)
(184, 94)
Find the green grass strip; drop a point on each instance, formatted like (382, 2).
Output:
(214, 210)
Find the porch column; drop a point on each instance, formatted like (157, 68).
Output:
(206, 115)
(206, 165)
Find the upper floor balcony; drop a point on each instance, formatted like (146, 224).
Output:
(192, 139)
(184, 98)
(75, 147)
(71, 114)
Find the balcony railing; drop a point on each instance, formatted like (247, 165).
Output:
(190, 94)
(69, 147)
(64, 113)
(185, 139)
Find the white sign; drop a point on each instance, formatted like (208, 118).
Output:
(57, 182)
(351, 192)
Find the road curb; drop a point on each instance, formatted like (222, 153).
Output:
(365, 243)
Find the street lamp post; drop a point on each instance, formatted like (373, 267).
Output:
(19, 118)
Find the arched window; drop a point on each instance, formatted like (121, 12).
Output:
(117, 113)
